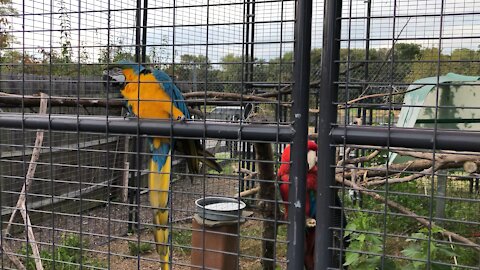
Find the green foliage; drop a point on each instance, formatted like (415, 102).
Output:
(195, 69)
(182, 240)
(65, 35)
(232, 71)
(462, 61)
(6, 9)
(115, 53)
(421, 245)
(66, 256)
(365, 244)
(141, 248)
(365, 249)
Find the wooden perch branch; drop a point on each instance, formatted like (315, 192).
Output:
(34, 101)
(192, 99)
(248, 192)
(409, 178)
(363, 158)
(378, 95)
(10, 254)
(448, 161)
(227, 96)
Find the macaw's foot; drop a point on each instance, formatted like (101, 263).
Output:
(181, 118)
(311, 223)
(128, 114)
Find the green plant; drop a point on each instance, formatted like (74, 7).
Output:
(66, 256)
(365, 245)
(421, 246)
(141, 248)
(182, 240)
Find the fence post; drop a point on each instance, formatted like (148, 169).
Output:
(328, 116)
(298, 172)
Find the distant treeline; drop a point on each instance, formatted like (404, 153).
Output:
(404, 64)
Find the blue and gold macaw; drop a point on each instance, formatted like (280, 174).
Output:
(152, 94)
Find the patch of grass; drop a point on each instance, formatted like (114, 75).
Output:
(141, 248)
(66, 256)
(251, 244)
(182, 240)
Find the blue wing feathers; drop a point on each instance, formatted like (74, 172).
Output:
(172, 90)
(313, 206)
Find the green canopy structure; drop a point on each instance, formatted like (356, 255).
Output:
(458, 100)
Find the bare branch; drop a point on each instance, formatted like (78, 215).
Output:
(247, 192)
(362, 158)
(34, 101)
(409, 178)
(378, 95)
(10, 254)
(227, 96)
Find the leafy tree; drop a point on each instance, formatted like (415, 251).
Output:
(114, 53)
(465, 62)
(433, 63)
(407, 51)
(231, 71)
(281, 68)
(6, 10)
(192, 71)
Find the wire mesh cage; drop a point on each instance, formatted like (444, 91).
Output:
(255, 134)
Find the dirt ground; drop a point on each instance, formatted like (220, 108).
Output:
(250, 247)
(106, 227)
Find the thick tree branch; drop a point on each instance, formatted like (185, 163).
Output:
(268, 207)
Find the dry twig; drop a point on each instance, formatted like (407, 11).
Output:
(20, 206)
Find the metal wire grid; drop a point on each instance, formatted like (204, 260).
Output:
(441, 37)
(76, 190)
(213, 29)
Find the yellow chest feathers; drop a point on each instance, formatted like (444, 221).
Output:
(146, 96)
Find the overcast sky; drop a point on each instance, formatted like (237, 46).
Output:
(182, 30)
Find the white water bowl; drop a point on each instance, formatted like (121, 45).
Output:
(220, 208)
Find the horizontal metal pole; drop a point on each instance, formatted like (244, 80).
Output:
(458, 140)
(122, 126)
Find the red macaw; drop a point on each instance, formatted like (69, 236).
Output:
(310, 210)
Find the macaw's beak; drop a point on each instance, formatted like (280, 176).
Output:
(113, 81)
(311, 159)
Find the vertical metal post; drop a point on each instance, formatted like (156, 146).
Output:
(144, 31)
(138, 31)
(367, 41)
(298, 172)
(137, 143)
(328, 115)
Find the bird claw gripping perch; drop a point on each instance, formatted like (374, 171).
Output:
(310, 223)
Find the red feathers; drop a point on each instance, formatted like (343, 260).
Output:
(284, 173)
(283, 176)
